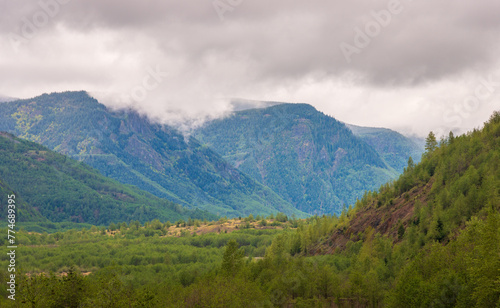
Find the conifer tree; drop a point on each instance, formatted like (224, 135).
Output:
(232, 259)
(451, 137)
(430, 143)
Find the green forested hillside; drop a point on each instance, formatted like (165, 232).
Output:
(393, 147)
(308, 158)
(129, 148)
(50, 186)
(25, 211)
(430, 239)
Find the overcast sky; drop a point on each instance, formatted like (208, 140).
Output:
(413, 66)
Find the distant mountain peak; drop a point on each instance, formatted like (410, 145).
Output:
(310, 159)
(394, 147)
(244, 104)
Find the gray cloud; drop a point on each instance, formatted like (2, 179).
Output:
(261, 50)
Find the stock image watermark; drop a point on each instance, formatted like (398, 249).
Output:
(484, 90)
(222, 7)
(30, 26)
(454, 115)
(378, 21)
(11, 246)
(150, 82)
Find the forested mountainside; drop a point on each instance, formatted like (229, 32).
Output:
(25, 211)
(429, 239)
(392, 146)
(129, 148)
(308, 158)
(52, 187)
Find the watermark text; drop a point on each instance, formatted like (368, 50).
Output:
(11, 239)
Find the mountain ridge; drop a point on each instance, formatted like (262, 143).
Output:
(128, 147)
(55, 188)
(296, 151)
(394, 147)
